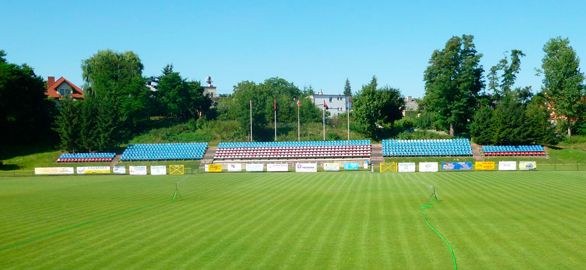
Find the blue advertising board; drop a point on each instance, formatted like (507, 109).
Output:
(456, 166)
(351, 166)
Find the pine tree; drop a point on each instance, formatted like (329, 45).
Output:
(347, 88)
(67, 124)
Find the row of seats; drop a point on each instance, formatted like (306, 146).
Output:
(513, 150)
(290, 150)
(425, 148)
(293, 144)
(164, 151)
(86, 157)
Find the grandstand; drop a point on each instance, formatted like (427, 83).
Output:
(513, 150)
(86, 157)
(426, 148)
(293, 150)
(164, 151)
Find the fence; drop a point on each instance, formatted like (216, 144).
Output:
(195, 169)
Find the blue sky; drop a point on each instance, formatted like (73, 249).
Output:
(317, 43)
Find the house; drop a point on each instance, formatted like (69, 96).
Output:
(336, 104)
(62, 88)
(411, 106)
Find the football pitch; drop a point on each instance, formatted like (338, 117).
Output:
(491, 220)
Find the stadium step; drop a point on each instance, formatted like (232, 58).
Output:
(377, 155)
(115, 160)
(477, 152)
(208, 157)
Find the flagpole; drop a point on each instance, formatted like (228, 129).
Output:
(275, 111)
(324, 121)
(298, 123)
(251, 120)
(348, 123)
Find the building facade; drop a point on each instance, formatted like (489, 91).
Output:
(336, 104)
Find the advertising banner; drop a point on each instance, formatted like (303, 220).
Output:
(428, 166)
(158, 170)
(137, 170)
(234, 167)
(214, 168)
(507, 165)
(388, 167)
(351, 166)
(93, 170)
(305, 167)
(527, 165)
(485, 165)
(331, 167)
(252, 167)
(54, 170)
(456, 166)
(283, 167)
(118, 169)
(406, 167)
(176, 169)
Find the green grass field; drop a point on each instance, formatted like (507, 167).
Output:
(493, 220)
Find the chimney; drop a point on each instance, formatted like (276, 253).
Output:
(50, 81)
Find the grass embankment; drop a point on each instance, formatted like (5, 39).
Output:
(493, 220)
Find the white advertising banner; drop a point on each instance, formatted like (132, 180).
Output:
(428, 166)
(234, 167)
(305, 167)
(255, 167)
(279, 167)
(93, 170)
(54, 170)
(527, 165)
(406, 167)
(507, 165)
(158, 170)
(137, 170)
(119, 169)
(331, 167)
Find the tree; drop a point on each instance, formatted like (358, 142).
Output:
(509, 121)
(508, 74)
(563, 82)
(115, 81)
(262, 96)
(347, 88)
(25, 111)
(375, 110)
(67, 125)
(482, 128)
(538, 127)
(453, 81)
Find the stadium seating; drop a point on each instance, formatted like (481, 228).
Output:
(426, 148)
(513, 150)
(293, 150)
(86, 157)
(164, 151)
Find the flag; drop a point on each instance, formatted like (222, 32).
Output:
(298, 102)
(325, 105)
(275, 103)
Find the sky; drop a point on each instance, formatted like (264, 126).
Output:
(311, 43)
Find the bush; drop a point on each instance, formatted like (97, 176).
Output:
(422, 134)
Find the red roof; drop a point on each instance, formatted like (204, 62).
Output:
(52, 89)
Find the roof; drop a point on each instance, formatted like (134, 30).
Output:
(327, 96)
(52, 89)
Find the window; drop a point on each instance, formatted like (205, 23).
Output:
(64, 91)
(330, 99)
